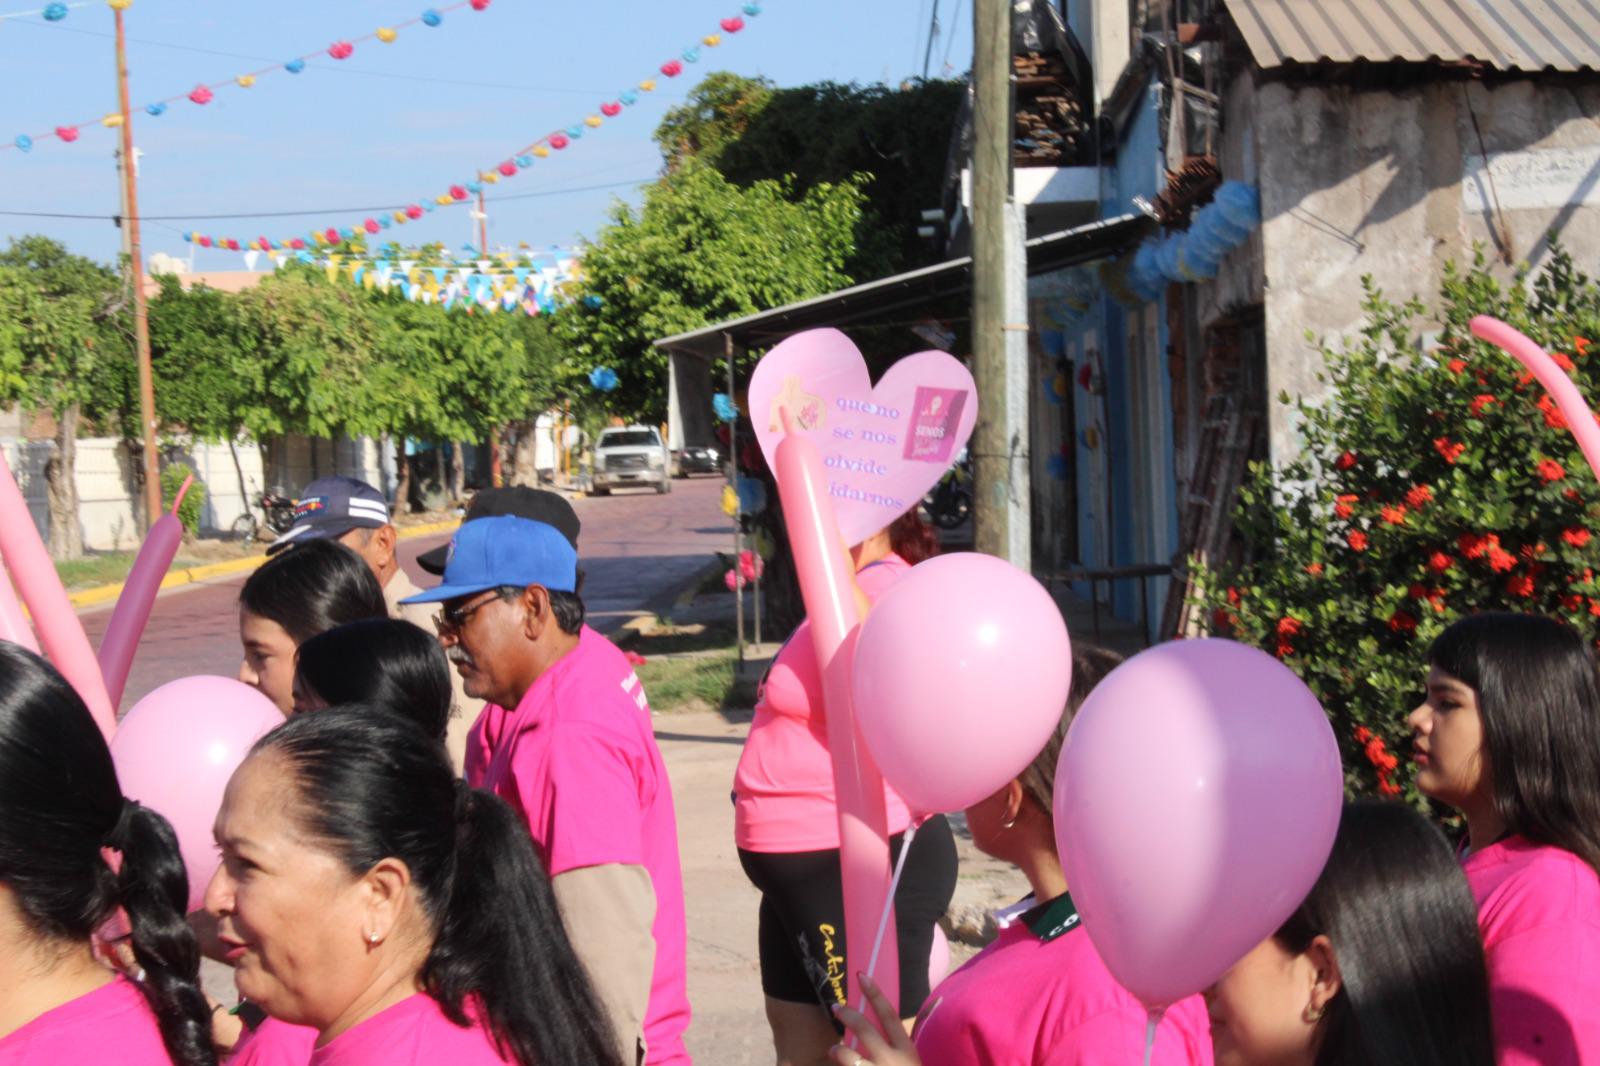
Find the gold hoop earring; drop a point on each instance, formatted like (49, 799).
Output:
(1312, 1015)
(1009, 825)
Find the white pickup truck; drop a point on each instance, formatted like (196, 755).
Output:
(629, 456)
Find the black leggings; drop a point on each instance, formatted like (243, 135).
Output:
(802, 934)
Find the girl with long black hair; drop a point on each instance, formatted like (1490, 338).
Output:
(366, 893)
(1509, 735)
(72, 851)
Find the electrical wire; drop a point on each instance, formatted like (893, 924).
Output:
(950, 41)
(325, 210)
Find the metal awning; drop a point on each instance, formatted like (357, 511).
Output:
(877, 299)
(1525, 35)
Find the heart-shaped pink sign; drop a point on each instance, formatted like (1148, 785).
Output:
(883, 447)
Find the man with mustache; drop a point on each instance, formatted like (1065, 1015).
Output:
(566, 739)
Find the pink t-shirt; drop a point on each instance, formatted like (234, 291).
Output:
(413, 1032)
(114, 1023)
(1040, 995)
(1539, 912)
(783, 798)
(578, 760)
(274, 1043)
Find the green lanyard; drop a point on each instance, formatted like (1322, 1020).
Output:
(1052, 918)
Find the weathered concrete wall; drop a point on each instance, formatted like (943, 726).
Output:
(1392, 184)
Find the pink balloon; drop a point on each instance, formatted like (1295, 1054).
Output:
(827, 588)
(138, 596)
(938, 958)
(1562, 389)
(883, 446)
(961, 674)
(1196, 800)
(60, 632)
(175, 751)
(13, 623)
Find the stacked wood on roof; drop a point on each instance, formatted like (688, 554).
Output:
(1050, 128)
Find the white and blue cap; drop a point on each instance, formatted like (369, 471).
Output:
(490, 553)
(332, 507)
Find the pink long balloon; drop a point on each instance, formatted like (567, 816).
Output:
(13, 624)
(138, 596)
(60, 632)
(826, 588)
(1580, 419)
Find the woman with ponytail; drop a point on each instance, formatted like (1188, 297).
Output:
(366, 893)
(72, 851)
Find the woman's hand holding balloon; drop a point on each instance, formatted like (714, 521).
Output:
(897, 1050)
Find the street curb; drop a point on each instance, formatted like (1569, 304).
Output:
(177, 578)
(634, 628)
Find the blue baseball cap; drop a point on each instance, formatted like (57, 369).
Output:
(488, 553)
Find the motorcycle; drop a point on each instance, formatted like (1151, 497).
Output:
(949, 505)
(279, 512)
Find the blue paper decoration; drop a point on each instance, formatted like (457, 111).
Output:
(295, 66)
(1056, 467)
(385, 221)
(752, 10)
(629, 98)
(347, 233)
(725, 408)
(156, 110)
(55, 12)
(691, 55)
(752, 495)
(474, 187)
(24, 142)
(574, 132)
(189, 237)
(524, 161)
(1239, 204)
(603, 378)
(428, 205)
(431, 17)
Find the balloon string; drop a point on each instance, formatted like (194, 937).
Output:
(1150, 1034)
(888, 908)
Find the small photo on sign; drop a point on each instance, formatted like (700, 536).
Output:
(934, 421)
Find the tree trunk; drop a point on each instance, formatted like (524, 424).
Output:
(402, 476)
(66, 536)
(238, 471)
(496, 458)
(525, 462)
(458, 472)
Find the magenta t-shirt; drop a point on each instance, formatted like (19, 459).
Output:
(274, 1043)
(114, 1023)
(413, 1032)
(1040, 995)
(578, 760)
(783, 798)
(1539, 913)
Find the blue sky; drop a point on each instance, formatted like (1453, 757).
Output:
(394, 122)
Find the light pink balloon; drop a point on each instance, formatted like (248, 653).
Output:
(823, 571)
(175, 751)
(1580, 419)
(13, 623)
(121, 638)
(938, 958)
(962, 671)
(1196, 800)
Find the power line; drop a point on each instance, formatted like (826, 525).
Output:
(325, 210)
(950, 41)
(933, 35)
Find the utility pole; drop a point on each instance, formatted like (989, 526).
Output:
(141, 319)
(999, 301)
(483, 228)
(933, 34)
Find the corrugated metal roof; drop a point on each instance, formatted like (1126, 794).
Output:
(1528, 35)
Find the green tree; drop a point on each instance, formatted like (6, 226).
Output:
(700, 250)
(1432, 483)
(717, 112)
(64, 337)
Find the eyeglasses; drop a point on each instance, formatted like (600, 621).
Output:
(451, 619)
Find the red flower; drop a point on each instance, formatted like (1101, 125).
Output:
(1552, 414)
(1419, 495)
(1500, 560)
(1285, 648)
(1363, 734)
(1417, 592)
(1450, 450)
(1388, 787)
(1395, 516)
(1289, 627)
(1551, 470)
(1562, 361)
(1525, 378)
(1576, 536)
(1520, 585)
(1345, 461)
(1233, 596)
(1457, 365)
(1572, 494)
(1439, 562)
(1342, 505)
(1594, 607)
(1572, 602)
(1402, 622)
(1357, 540)
(1482, 401)
(1314, 569)
(1581, 344)
(1473, 545)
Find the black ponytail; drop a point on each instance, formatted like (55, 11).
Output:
(369, 786)
(59, 806)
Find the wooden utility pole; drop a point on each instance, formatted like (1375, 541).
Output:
(483, 228)
(999, 301)
(141, 318)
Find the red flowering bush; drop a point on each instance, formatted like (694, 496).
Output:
(1434, 481)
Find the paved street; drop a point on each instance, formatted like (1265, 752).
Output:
(635, 550)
